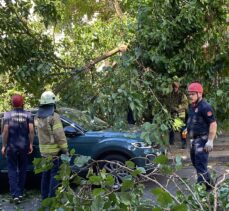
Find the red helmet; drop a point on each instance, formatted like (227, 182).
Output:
(17, 101)
(195, 87)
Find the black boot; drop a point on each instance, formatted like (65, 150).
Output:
(183, 144)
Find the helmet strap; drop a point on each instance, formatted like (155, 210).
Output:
(198, 99)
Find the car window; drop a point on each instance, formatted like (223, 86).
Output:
(83, 118)
(65, 123)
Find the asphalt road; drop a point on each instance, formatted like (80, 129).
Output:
(188, 172)
(32, 200)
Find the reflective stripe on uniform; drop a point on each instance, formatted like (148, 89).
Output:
(48, 148)
(182, 114)
(57, 126)
(64, 146)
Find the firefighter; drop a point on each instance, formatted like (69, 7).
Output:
(52, 141)
(202, 129)
(178, 104)
(17, 135)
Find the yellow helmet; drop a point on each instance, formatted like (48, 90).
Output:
(47, 97)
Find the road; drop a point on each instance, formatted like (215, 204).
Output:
(186, 172)
(32, 201)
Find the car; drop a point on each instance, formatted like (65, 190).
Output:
(99, 145)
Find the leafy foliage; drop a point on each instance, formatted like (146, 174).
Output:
(97, 190)
(45, 43)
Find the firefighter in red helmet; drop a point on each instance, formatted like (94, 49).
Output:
(201, 126)
(17, 135)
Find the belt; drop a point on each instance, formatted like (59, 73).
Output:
(199, 136)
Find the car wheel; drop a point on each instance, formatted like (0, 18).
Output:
(118, 172)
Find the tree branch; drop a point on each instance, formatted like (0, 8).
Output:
(88, 66)
(118, 8)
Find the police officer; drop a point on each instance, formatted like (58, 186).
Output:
(178, 104)
(202, 128)
(52, 141)
(17, 135)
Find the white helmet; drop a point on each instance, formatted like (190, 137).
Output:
(47, 97)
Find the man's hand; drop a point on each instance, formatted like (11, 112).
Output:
(30, 148)
(3, 151)
(209, 146)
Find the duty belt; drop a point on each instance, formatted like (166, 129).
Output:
(199, 136)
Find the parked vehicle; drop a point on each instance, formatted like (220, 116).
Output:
(99, 145)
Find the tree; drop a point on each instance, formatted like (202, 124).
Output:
(43, 42)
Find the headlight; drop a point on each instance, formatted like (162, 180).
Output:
(140, 145)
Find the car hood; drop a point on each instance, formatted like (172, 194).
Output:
(111, 134)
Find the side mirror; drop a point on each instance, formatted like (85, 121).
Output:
(70, 131)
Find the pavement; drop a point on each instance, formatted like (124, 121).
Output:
(220, 151)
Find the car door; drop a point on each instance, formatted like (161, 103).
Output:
(35, 153)
(78, 141)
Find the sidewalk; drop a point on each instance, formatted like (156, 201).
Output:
(220, 151)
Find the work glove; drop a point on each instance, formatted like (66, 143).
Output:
(184, 133)
(191, 140)
(209, 146)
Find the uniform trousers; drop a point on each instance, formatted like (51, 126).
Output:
(17, 160)
(199, 158)
(48, 182)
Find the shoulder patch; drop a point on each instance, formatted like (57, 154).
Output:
(209, 113)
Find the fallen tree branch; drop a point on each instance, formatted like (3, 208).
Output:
(118, 8)
(88, 66)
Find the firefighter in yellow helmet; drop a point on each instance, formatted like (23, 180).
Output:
(52, 141)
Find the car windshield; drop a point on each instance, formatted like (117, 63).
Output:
(83, 119)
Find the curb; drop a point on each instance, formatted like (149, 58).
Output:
(220, 151)
(217, 156)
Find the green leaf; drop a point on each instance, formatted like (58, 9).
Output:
(157, 209)
(96, 180)
(97, 204)
(130, 164)
(164, 127)
(138, 171)
(141, 170)
(132, 106)
(163, 198)
(180, 207)
(98, 191)
(219, 92)
(109, 180)
(125, 198)
(127, 185)
(72, 152)
(81, 160)
(65, 158)
(161, 159)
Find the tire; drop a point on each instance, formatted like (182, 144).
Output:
(118, 172)
(116, 157)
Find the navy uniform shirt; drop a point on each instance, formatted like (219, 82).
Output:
(199, 119)
(18, 121)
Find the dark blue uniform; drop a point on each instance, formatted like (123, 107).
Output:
(17, 148)
(199, 119)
